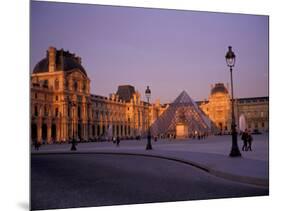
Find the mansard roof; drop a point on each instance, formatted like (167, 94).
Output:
(125, 92)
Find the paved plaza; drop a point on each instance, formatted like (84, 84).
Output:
(179, 169)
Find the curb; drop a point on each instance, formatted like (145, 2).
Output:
(233, 177)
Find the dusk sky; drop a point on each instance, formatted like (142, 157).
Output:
(169, 50)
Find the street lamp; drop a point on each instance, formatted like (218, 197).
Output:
(73, 142)
(230, 61)
(148, 95)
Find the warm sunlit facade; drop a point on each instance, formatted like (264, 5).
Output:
(218, 109)
(63, 108)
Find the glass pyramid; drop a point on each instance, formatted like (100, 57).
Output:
(183, 111)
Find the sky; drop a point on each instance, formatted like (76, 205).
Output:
(169, 50)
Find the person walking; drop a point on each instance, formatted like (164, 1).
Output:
(155, 138)
(244, 138)
(117, 141)
(249, 141)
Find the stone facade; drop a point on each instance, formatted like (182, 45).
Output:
(218, 109)
(62, 107)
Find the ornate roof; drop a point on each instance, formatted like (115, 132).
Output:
(219, 87)
(64, 61)
(125, 92)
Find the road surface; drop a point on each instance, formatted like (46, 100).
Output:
(82, 180)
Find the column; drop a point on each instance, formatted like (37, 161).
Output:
(39, 131)
(58, 132)
(49, 132)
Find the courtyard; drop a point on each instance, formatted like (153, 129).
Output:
(101, 173)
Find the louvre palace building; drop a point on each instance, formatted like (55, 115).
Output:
(62, 107)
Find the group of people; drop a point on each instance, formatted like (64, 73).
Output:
(116, 140)
(247, 140)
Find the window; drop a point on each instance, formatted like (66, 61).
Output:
(45, 83)
(35, 95)
(57, 112)
(66, 84)
(75, 85)
(262, 124)
(84, 86)
(35, 111)
(79, 112)
(57, 98)
(45, 111)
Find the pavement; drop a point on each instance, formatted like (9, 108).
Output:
(210, 154)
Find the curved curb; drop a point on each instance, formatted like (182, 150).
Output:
(233, 177)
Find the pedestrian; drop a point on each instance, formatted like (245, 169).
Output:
(244, 138)
(249, 141)
(117, 141)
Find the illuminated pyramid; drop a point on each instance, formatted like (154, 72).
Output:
(182, 118)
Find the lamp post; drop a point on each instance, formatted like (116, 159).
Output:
(148, 95)
(230, 61)
(73, 142)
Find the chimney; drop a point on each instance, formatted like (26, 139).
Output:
(52, 59)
